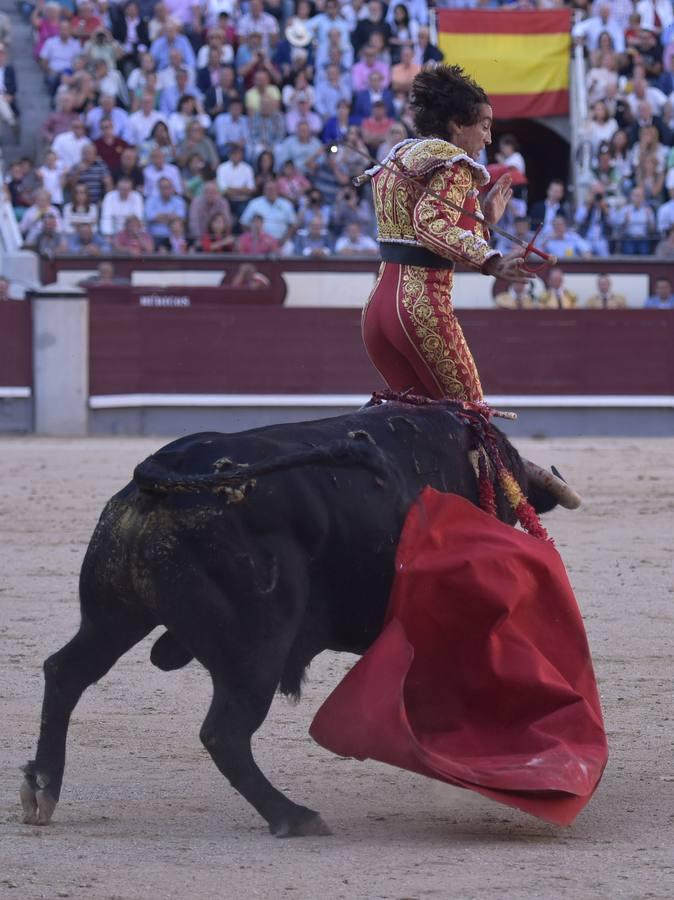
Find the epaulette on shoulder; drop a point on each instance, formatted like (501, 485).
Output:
(426, 155)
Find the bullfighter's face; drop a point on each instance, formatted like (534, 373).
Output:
(474, 138)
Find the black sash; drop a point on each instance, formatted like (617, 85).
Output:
(411, 255)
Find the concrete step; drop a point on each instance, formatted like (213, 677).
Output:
(32, 97)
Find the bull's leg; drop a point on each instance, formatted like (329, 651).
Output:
(84, 660)
(244, 613)
(234, 715)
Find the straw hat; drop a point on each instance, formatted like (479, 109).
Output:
(298, 34)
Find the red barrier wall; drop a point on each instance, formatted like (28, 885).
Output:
(211, 347)
(15, 344)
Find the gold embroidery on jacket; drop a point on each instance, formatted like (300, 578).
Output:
(396, 200)
(429, 154)
(437, 225)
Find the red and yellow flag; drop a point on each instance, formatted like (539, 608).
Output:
(520, 58)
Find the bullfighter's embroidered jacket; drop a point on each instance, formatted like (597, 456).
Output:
(406, 215)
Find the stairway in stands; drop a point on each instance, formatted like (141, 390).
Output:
(32, 97)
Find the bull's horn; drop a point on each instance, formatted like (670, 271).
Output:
(559, 489)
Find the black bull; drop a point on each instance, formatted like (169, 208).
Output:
(284, 549)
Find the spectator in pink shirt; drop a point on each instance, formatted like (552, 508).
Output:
(257, 242)
(187, 12)
(302, 112)
(46, 24)
(133, 239)
(368, 63)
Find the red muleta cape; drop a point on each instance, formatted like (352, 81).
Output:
(482, 675)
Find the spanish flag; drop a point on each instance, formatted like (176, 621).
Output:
(520, 58)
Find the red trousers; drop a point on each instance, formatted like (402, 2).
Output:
(413, 338)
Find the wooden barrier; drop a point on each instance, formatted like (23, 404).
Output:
(16, 369)
(273, 267)
(194, 340)
(211, 346)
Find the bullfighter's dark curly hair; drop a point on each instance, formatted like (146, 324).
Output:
(443, 93)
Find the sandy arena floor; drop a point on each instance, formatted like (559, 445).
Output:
(145, 814)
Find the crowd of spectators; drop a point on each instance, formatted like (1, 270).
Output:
(202, 125)
(556, 295)
(629, 207)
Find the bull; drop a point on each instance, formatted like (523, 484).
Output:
(255, 552)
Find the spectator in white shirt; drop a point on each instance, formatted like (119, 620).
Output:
(118, 205)
(168, 77)
(602, 79)
(601, 127)
(417, 10)
(649, 145)
(278, 214)
(170, 40)
(215, 42)
(80, 210)
(330, 91)
(137, 79)
(590, 29)
(642, 90)
(637, 222)
(236, 180)
(298, 148)
(655, 15)
(509, 155)
(257, 21)
(106, 109)
(33, 219)
(334, 52)
(354, 243)
(302, 112)
(58, 55)
(214, 8)
(157, 169)
(231, 128)
(68, 145)
(52, 175)
(141, 122)
(665, 214)
(330, 20)
(314, 240)
(621, 10)
(183, 10)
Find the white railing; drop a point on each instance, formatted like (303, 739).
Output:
(581, 148)
(10, 236)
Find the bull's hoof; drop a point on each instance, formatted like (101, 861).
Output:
(37, 801)
(314, 826)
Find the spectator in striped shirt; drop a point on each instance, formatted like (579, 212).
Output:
(91, 172)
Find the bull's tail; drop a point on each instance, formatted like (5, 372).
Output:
(358, 452)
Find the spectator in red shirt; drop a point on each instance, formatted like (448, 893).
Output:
(218, 238)
(85, 23)
(45, 20)
(133, 239)
(108, 146)
(62, 118)
(256, 242)
(375, 128)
